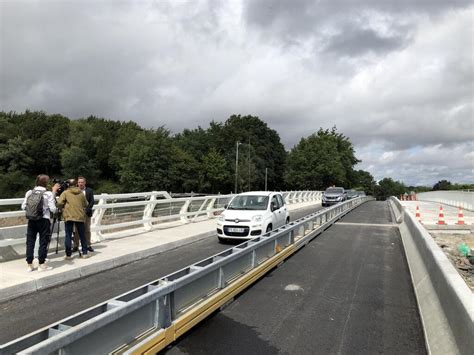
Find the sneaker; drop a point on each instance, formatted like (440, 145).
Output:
(90, 249)
(44, 267)
(85, 256)
(30, 268)
(68, 257)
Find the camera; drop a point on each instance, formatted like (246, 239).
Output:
(64, 184)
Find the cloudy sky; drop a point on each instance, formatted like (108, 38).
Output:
(395, 76)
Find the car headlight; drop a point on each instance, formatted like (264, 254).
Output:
(339, 198)
(221, 218)
(257, 218)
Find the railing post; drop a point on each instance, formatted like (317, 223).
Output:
(183, 212)
(210, 207)
(96, 235)
(148, 212)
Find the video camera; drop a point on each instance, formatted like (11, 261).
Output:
(64, 184)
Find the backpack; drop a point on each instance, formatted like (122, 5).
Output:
(34, 205)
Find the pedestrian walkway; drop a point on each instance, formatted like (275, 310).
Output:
(16, 281)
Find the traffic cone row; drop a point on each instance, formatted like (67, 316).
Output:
(441, 220)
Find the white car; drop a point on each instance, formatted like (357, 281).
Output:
(251, 214)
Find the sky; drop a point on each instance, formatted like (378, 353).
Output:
(395, 76)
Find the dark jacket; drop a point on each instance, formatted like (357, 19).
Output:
(90, 201)
(74, 203)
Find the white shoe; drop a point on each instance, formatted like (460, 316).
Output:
(85, 256)
(44, 267)
(30, 268)
(68, 257)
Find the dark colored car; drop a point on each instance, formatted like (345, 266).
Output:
(333, 195)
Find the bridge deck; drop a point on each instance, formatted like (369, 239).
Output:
(349, 291)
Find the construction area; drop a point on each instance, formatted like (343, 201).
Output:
(452, 228)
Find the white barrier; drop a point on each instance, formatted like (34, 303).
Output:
(464, 199)
(445, 302)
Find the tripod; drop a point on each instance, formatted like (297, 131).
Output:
(56, 220)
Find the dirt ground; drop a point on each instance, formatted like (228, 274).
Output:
(450, 243)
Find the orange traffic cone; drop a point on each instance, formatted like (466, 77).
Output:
(417, 215)
(441, 216)
(460, 216)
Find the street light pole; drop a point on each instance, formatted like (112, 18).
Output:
(249, 162)
(266, 173)
(236, 165)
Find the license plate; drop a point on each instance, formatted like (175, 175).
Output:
(236, 230)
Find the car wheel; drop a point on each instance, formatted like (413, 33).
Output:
(287, 220)
(269, 228)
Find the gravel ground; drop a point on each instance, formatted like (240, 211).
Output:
(450, 244)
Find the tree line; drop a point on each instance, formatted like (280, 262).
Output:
(118, 156)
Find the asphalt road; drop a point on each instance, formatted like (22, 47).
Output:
(31, 312)
(347, 292)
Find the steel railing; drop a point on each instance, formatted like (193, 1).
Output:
(150, 317)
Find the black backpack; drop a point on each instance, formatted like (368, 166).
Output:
(34, 205)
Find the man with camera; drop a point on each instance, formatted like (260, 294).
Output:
(89, 194)
(39, 204)
(73, 204)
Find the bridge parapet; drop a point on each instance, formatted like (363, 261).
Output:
(464, 199)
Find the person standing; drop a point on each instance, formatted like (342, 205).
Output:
(39, 204)
(73, 203)
(89, 194)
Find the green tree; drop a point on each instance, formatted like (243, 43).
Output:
(363, 181)
(321, 160)
(75, 162)
(442, 185)
(146, 162)
(215, 172)
(261, 147)
(184, 171)
(388, 187)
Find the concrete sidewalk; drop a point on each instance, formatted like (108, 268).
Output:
(16, 281)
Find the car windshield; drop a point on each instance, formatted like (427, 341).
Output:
(352, 193)
(249, 202)
(334, 190)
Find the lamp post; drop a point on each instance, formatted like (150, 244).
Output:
(266, 174)
(249, 162)
(236, 164)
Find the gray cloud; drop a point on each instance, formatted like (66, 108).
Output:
(394, 76)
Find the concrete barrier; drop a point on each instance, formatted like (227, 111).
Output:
(445, 302)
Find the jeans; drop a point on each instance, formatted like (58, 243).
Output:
(69, 226)
(43, 227)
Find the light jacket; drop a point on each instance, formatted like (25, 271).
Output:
(73, 204)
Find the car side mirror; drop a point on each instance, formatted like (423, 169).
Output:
(225, 206)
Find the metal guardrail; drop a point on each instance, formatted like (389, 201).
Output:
(122, 215)
(148, 318)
